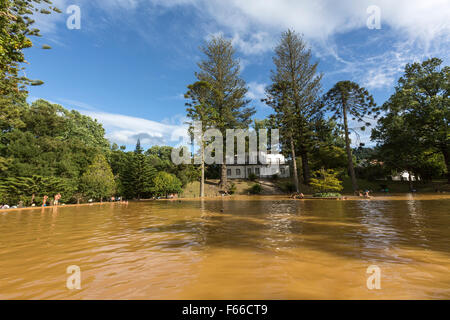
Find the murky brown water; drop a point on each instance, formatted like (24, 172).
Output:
(253, 248)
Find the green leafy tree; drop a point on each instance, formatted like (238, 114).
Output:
(98, 180)
(165, 183)
(221, 70)
(16, 28)
(119, 164)
(348, 99)
(29, 189)
(417, 115)
(54, 141)
(326, 181)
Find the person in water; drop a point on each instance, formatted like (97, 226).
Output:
(57, 198)
(44, 201)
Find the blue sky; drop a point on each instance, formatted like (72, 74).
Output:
(129, 64)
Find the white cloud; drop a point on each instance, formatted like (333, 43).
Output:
(377, 79)
(254, 44)
(78, 104)
(126, 130)
(256, 91)
(315, 19)
(323, 18)
(418, 29)
(382, 70)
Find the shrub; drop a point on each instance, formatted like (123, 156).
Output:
(327, 195)
(288, 187)
(326, 181)
(232, 189)
(256, 189)
(252, 177)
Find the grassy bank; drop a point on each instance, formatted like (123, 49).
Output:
(284, 186)
(241, 187)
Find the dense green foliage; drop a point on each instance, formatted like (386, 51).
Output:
(327, 195)
(29, 190)
(52, 143)
(256, 189)
(98, 180)
(165, 183)
(326, 181)
(414, 133)
(16, 30)
(55, 150)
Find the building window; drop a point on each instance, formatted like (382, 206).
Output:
(229, 172)
(257, 171)
(283, 170)
(238, 172)
(249, 170)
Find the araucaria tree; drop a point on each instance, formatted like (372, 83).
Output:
(348, 99)
(221, 70)
(293, 95)
(199, 109)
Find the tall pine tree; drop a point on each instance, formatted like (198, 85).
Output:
(294, 95)
(221, 70)
(199, 109)
(142, 173)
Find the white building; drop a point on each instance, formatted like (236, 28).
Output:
(404, 176)
(276, 164)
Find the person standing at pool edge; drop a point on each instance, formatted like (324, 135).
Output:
(56, 201)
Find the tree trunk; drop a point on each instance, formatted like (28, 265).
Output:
(351, 168)
(305, 168)
(202, 181)
(411, 185)
(294, 164)
(447, 162)
(223, 176)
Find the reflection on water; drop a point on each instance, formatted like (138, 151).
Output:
(245, 249)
